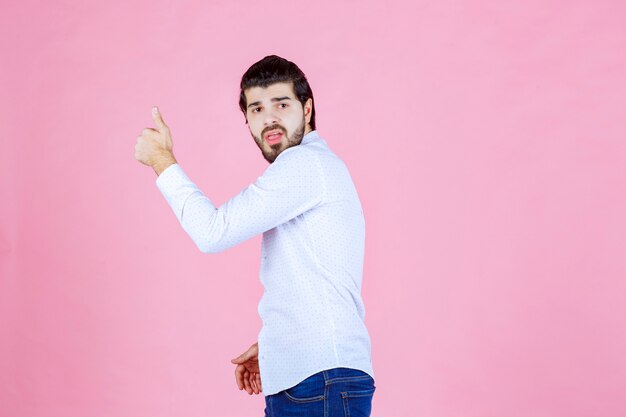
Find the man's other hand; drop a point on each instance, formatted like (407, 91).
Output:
(247, 373)
(154, 146)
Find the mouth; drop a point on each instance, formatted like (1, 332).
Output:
(273, 136)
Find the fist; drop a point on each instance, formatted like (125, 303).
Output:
(154, 146)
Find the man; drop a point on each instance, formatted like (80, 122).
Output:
(313, 351)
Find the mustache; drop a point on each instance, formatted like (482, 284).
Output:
(273, 127)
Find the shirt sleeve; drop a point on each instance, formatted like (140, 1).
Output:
(290, 186)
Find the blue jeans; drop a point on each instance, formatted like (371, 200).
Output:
(337, 392)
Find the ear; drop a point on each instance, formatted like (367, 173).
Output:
(308, 107)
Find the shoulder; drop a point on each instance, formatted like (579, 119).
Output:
(296, 152)
(299, 158)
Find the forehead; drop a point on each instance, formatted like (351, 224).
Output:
(281, 89)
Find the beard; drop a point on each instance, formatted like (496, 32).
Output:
(271, 152)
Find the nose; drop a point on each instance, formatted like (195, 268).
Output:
(271, 118)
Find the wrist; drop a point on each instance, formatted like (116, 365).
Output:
(163, 162)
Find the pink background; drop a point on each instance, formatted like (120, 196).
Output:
(488, 144)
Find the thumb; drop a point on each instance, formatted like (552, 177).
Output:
(242, 358)
(156, 116)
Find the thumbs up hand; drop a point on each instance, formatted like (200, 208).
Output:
(154, 146)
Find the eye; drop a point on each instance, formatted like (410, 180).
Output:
(254, 110)
(283, 104)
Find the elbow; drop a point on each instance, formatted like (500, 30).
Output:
(204, 248)
(209, 247)
(210, 234)
(208, 239)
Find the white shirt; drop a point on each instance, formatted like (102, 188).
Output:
(308, 210)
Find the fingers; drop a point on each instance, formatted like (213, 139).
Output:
(160, 136)
(239, 371)
(255, 389)
(250, 381)
(258, 382)
(158, 119)
(148, 132)
(246, 382)
(247, 373)
(145, 149)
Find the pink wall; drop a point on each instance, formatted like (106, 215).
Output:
(486, 139)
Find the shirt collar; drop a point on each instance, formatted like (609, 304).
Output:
(309, 137)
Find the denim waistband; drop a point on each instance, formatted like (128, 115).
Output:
(343, 373)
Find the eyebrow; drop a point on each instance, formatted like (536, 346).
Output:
(256, 103)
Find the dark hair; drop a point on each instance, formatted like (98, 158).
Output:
(274, 69)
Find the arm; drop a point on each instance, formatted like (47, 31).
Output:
(291, 185)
